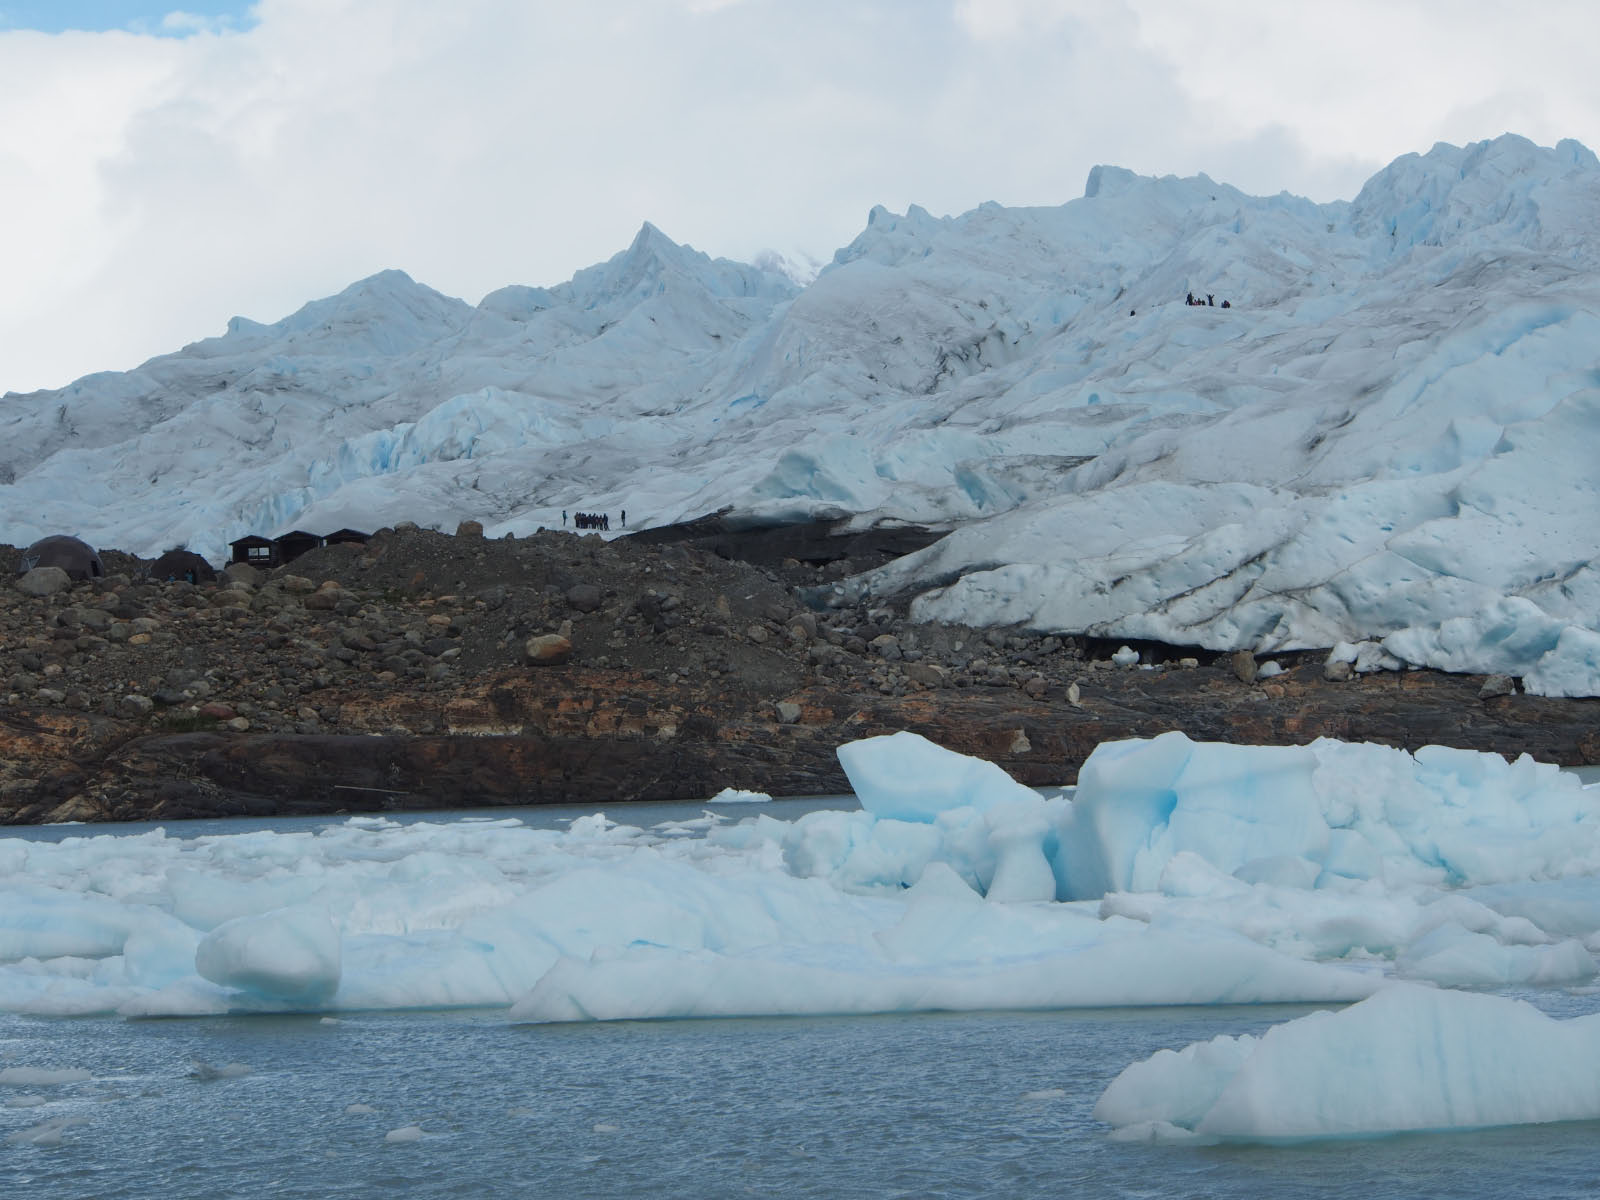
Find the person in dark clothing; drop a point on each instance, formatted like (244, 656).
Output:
(1130, 312)
(624, 518)
(1210, 301)
(1225, 304)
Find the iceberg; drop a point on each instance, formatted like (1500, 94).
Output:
(1343, 812)
(1179, 873)
(1406, 1059)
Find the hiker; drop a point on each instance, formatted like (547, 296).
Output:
(563, 518)
(624, 518)
(1225, 304)
(1189, 299)
(1209, 302)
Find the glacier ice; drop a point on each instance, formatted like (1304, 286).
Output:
(1407, 1058)
(1178, 873)
(290, 954)
(1385, 441)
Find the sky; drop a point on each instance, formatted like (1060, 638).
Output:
(162, 170)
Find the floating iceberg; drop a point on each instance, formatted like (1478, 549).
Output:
(1408, 1058)
(1181, 873)
(1342, 811)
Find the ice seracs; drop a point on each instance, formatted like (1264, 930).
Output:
(1386, 438)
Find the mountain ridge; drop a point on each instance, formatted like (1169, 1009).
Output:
(1324, 460)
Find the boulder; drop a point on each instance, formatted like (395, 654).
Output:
(44, 581)
(546, 650)
(95, 618)
(1243, 663)
(470, 529)
(1338, 671)
(585, 597)
(326, 598)
(134, 705)
(1497, 685)
(242, 573)
(929, 675)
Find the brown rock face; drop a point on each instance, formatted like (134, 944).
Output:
(609, 736)
(407, 679)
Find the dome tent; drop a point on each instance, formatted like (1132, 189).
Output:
(77, 558)
(179, 563)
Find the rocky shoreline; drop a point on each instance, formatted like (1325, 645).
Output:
(428, 671)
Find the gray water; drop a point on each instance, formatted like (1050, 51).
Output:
(894, 1106)
(914, 1106)
(542, 816)
(545, 816)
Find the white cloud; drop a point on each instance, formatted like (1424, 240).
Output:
(155, 186)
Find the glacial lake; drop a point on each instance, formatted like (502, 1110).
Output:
(931, 1105)
(991, 1105)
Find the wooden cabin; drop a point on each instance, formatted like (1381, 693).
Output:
(341, 537)
(255, 550)
(293, 544)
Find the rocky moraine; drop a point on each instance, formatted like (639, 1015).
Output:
(428, 670)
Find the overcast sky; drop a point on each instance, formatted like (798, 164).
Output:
(161, 172)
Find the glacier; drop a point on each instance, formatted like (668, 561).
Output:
(1384, 439)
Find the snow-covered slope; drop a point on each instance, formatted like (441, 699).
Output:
(1386, 435)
